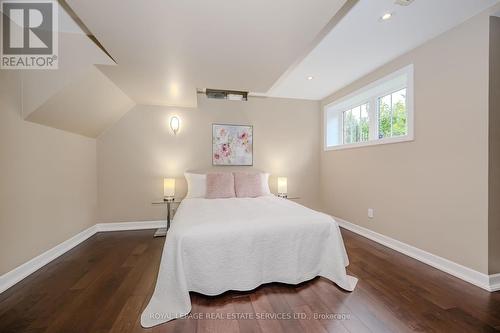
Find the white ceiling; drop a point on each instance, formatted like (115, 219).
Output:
(76, 54)
(166, 49)
(73, 111)
(61, 98)
(361, 42)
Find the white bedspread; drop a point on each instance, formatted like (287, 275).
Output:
(238, 244)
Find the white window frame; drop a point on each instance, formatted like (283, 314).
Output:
(370, 94)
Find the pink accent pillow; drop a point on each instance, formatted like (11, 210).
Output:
(248, 185)
(220, 185)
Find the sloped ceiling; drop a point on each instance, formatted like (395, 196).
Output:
(76, 97)
(362, 42)
(76, 54)
(87, 106)
(166, 49)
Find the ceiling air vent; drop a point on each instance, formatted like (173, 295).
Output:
(230, 95)
(403, 2)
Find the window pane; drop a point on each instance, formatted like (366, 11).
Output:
(399, 113)
(384, 117)
(348, 126)
(364, 123)
(355, 125)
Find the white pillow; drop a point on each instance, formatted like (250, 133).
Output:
(265, 184)
(197, 185)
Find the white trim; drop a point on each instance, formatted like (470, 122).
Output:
(370, 93)
(487, 282)
(490, 283)
(495, 282)
(385, 141)
(9, 279)
(122, 226)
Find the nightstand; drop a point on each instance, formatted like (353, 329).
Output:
(161, 232)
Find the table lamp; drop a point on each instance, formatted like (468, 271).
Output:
(282, 187)
(168, 189)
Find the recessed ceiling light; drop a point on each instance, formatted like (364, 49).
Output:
(310, 78)
(386, 16)
(403, 2)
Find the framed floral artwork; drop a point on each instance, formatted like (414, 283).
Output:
(232, 145)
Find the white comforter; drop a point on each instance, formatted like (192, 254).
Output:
(238, 244)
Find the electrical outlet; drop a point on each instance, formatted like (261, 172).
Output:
(370, 213)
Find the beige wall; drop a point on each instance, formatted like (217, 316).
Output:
(431, 193)
(137, 152)
(494, 148)
(47, 182)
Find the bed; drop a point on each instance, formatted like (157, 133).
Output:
(216, 245)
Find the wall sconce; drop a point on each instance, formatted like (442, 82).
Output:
(175, 124)
(282, 187)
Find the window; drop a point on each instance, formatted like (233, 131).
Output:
(392, 115)
(379, 113)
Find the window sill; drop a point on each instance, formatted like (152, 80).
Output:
(387, 141)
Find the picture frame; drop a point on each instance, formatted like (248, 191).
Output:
(232, 145)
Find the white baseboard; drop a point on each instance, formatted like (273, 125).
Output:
(122, 226)
(9, 279)
(490, 283)
(484, 281)
(495, 282)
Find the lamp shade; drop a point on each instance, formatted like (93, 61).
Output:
(169, 187)
(282, 185)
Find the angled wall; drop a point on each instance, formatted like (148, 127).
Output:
(47, 181)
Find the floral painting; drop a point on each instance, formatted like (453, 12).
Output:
(232, 145)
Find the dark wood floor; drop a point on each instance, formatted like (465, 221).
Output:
(103, 284)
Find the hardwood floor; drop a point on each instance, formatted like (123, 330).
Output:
(103, 284)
